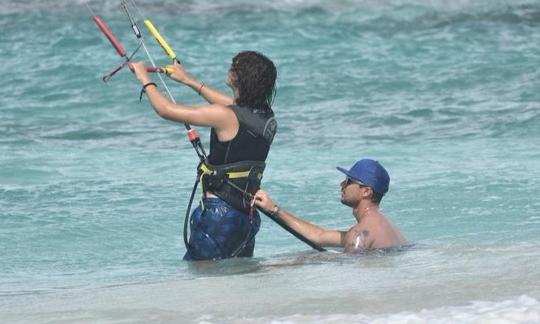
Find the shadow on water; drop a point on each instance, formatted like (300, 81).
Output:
(333, 257)
(219, 268)
(246, 266)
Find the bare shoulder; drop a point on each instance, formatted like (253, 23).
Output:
(224, 121)
(214, 115)
(358, 238)
(217, 108)
(387, 234)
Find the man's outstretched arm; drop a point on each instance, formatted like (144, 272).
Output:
(314, 233)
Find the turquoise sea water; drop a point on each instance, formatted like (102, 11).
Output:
(94, 185)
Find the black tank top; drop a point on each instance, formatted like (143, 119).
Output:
(252, 142)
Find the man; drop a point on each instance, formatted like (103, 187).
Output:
(365, 184)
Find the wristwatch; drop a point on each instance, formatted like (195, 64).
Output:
(275, 210)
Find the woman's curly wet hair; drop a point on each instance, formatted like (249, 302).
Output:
(255, 79)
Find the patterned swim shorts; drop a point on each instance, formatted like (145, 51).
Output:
(220, 231)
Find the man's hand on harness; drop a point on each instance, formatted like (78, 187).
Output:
(262, 199)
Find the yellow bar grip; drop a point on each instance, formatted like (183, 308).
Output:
(153, 30)
(167, 71)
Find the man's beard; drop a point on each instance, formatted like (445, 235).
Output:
(347, 202)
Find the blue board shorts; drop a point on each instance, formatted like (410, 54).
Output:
(221, 231)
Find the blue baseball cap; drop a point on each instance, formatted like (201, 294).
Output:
(369, 172)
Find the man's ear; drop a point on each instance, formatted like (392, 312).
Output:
(367, 192)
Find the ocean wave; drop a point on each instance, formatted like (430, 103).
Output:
(460, 82)
(374, 11)
(522, 309)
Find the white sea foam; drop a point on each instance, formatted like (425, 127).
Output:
(522, 309)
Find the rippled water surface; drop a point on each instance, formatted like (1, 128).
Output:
(94, 185)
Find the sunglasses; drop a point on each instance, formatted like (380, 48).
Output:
(349, 180)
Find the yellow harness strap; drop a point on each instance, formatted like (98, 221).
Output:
(206, 171)
(231, 175)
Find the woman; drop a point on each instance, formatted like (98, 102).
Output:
(224, 225)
